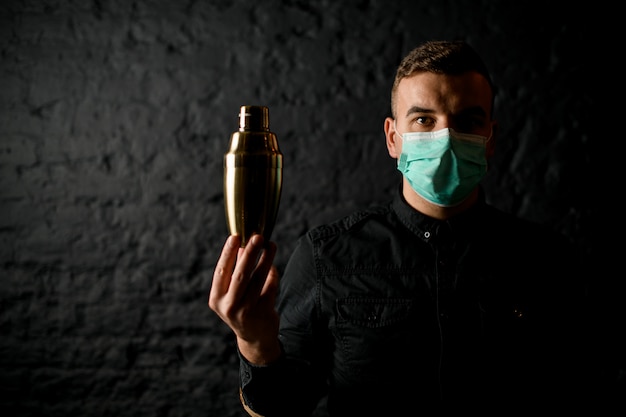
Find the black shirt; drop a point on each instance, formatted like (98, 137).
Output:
(390, 312)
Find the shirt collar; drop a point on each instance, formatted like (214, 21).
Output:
(425, 227)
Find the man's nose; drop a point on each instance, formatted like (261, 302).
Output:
(445, 122)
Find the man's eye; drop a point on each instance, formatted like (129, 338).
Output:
(423, 121)
(471, 125)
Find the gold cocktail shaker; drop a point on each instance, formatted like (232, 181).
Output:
(253, 176)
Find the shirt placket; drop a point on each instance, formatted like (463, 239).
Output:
(444, 285)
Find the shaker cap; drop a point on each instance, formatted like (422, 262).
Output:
(254, 118)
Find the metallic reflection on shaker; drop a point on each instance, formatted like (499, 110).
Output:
(253, 176)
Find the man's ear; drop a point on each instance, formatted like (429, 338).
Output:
(394, 145)
(491, 143)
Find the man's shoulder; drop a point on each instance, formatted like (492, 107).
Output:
(514, 225)
(350, 222)
(510, 235)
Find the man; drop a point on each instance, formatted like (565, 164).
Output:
(434, 302)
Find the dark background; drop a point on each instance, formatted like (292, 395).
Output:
(115, 115)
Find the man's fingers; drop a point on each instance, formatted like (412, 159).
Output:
(251, 259)
(224, 270)
(270, 287)
(259, 276)
(266, 260)
(244, 280)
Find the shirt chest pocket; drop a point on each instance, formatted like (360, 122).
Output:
(373, 333)
(372, 312)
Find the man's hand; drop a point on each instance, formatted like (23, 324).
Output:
(243, 294)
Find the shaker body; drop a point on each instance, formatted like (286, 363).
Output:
(253, 176)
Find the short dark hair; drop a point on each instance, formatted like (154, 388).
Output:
(440, 57)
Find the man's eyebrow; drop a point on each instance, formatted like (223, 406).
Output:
(416, 109)
(476, 110)
(471, 111)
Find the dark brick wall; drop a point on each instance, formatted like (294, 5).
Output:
(114, 117)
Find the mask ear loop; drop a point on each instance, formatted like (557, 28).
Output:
(395, 129)
(487, 141)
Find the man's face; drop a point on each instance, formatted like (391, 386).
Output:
(427, 102)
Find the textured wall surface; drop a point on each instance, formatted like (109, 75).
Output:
(115, 115)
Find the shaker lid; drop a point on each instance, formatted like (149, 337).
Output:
(254, 118)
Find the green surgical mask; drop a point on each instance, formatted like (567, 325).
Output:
(443, 166)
